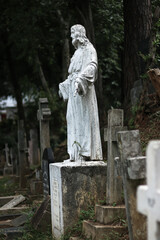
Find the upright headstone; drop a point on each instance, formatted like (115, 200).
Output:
(48, 158)
(33, 147)
(7, 154)
(44, 114)
(114, 182)
(133, 174)
(22, 148)
(148, 196)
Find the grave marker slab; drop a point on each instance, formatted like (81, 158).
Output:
(14, 202)
(148, 196)
(133, 174)
(48, 158)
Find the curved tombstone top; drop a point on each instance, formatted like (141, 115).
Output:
(48, 155)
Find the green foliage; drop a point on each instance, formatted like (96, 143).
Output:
(30, 234)
(108, 15)
(134, 110)
(76, 230)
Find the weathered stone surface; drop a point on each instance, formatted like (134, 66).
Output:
(115, 117)
(136, 168)
(112, 135)
(129, 145)
(14, 210)
(114, 182)
(14, 202)
(74, 186)
(107, 214)
(6, 199)
(101, 232)
(19, 221)
(42, 218)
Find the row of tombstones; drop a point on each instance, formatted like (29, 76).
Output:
(14, 163)
(125, 165)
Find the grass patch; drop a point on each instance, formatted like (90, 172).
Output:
(7, 186)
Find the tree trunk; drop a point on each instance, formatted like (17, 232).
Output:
(137, 33)
(65, 24)
(43, 80)
(15, 84)
(85, 11)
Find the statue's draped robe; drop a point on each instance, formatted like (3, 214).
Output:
(83, 134)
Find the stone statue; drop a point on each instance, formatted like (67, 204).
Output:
(83, 135)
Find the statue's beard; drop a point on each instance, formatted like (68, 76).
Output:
(75, 42)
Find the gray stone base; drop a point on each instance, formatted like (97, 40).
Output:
(74, 187)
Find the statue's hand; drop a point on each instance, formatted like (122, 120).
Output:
(77, 86)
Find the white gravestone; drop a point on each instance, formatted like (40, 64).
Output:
(148, 196)
(83, 134)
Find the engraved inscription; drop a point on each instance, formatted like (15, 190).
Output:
(55, 200)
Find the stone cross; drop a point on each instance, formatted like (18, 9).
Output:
(148, 196)
(133, 174)
(114, 183)
(43, 115)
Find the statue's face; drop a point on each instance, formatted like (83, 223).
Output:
(74, 36)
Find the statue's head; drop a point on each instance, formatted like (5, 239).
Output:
(78, 35)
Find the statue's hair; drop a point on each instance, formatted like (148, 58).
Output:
(81, 33)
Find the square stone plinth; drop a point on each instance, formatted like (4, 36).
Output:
(74, 187)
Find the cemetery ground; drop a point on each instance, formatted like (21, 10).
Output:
(9, 187)
(148, 123)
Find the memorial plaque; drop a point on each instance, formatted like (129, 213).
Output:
(56, 218)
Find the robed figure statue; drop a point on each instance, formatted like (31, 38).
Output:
(83, 133)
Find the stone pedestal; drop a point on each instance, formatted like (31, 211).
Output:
(74, 186)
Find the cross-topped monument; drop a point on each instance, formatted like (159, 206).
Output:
(114, 183)
(149, 195)
(43, 115)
